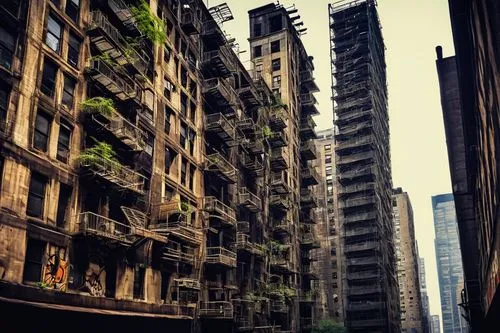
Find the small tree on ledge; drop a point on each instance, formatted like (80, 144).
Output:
(328, 326)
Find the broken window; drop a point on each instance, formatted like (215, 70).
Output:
(73, 50)
(63, 143)
(183, 135)
(277, 81)
(54, 32)
(68, 91)
(276, 64)
(48, 78)
(168, 89)
(36, 195)
(168, 115)
(42, 131)
(73, 9)
(275, 23)
(257, 51)
(33, 262)
(257, 29)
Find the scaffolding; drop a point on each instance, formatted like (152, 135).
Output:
(359, 93)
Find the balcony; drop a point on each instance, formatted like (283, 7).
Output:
(307, 81)
(222, 212)
(249, 95)
(308, 150)
(189, 22)
(309, 272)
(309, 176)
(366, 306)
(278, 118)
(124, 13)
(361, 232)
(113, 172)
(351, 189)
(307, 199)
(309, 240)
(216, 310)
(249, 200)
(354, 143)
(368, 200)
(254, 146)
(281, 265)
(220, 94)
(176, 255)
(359, 217)
(367, 323)
(355, 158)
(278, 139)
(108, 40)
(308, 296)
(243, 314)
(282, 227)
(180, 229)
(251, 163)
(218, 62)
(362, 247)
(307, 128)
(212, 34)
(246, 125)
(309, 109)
(309, 217)
(104, 228)
(279, 159)
(221, 256)
(280, 202)
(243, 243)
(364, 261)
(122, 129)
(364, 290)
(279, 183)
(218, 124)
(220, 167)
(187, 283)
(107, 78)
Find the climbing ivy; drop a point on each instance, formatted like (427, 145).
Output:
(148, 24)
(101, 105)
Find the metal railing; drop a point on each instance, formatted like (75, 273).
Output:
(223, 54)
(220, 255)
(278, 200)
(221, 164)
(113, 172)
(219, 85)
(188, 18)
(218, 120)
(90, 222)
(217, 309)
(365, 246)
(308, 99)
(111, 81)
(308, 146)
(212, 204)
(248, 199)
(310, 173)
(367, 200)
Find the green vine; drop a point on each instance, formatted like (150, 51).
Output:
(105, 58)
(148, 24)
(101, 105)
(282, 292)
(101, 150)
(266, 132)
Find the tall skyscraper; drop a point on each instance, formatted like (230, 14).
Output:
(407, 263)
(435, 324)
(359, 88)
(449, 262)
(425, 297)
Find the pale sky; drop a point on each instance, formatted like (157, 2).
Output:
(412, 29)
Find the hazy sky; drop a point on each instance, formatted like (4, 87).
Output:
(411, 30)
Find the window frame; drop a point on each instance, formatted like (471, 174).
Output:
(61, 157)
(48, 91)
(51, 34)
(273, 46)
(73, 50)
(37, 132)
(65, 92)
(78, 8)
(41, 196)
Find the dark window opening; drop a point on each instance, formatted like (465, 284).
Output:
(184, 104)
(73, 50)
(257, 29)
(168, 115)
(73, 9)
(110, 280)
(183, 171)
(33, 263)
(54, 31)
(166, 54)
(183, 135)
(139, 274)
(169, 158)
(257, 51)
(12, 6)
(62, 205)
(276, 64)
(4, 106)
(192, 137)
(275, 46)
(168, 89)
(7, 48)
(48, 78)
(192, 171)
(68, 91)
(184, 77)
(42, 131)
(192, 111)
(63, 143)
(36, 195)
(275, 23)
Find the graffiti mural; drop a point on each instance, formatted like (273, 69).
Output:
(95, 280)
(56, 269)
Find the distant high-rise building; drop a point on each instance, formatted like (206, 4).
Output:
(435, 325)
(326, 163)
(407, 263)
(425, 297)
(362, 159)
(449, 261)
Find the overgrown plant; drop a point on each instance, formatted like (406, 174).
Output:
(266, 132)
(328, 326)
(101, 150)
(101, 105)
(278, 103)
(148, 24)
(105, 58)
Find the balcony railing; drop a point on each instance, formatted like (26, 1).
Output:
(309, 176)
(216, 310)
(246, 125)
(356, 202)
(278, 139)
(279, 201)
(307, 199)
(351, 158)
(188, 283)
(310, 272)
(279, 159)
(123, 12)
(225, 213)
(212, 34)
(281, 264)
(251, 162)
(98, 225)
(219, 91)
(307, 128)
(176, 255)
(309, 238)
(355, 143)
(190, 23)
(308, 99)
(112, 82)
(279, 182)
(122, 129)
(278, 118)
(356, 188)
(180, 229)
(113, 172)
(218, 62)
(221, 256)
(308, 150)
(308, 296)
(254, 146)
(353, 218)
(219, 124)
(365, 306)
(111, 42)
(249, 200)
(360, 247)
(221, 167)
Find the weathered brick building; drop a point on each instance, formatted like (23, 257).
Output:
(147, 176)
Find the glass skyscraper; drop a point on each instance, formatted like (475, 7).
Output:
(449, 262)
